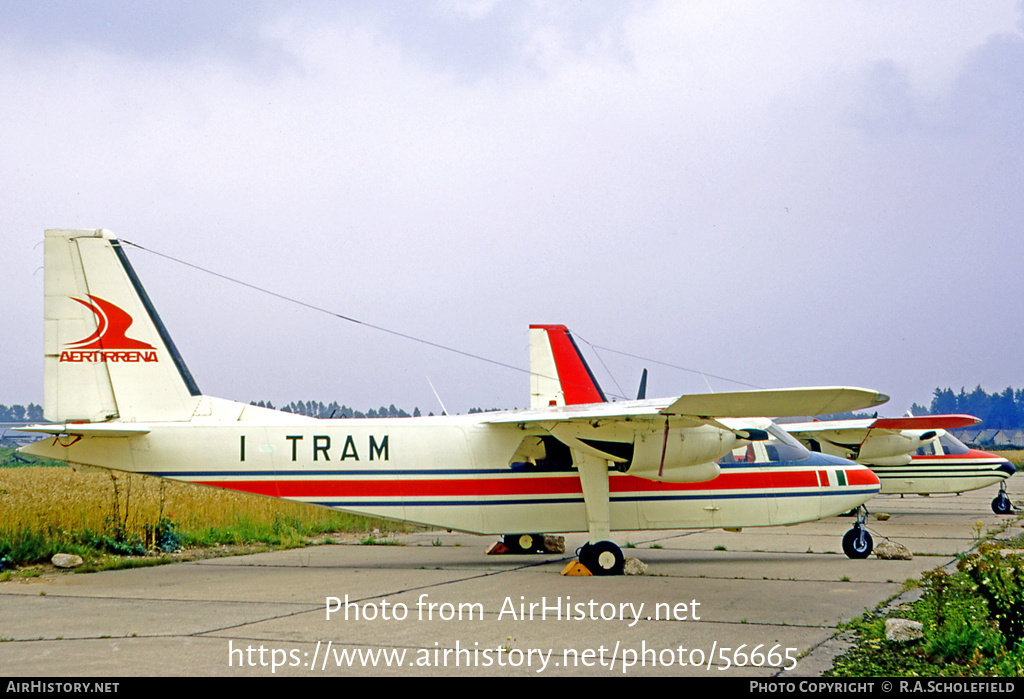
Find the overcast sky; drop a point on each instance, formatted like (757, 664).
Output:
(777, 193)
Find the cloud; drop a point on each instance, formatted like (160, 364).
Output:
(987, 93)
(763, 192)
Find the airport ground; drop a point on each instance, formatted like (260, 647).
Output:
(756, 603)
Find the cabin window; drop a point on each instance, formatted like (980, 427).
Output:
(952, 445)
(781, 447)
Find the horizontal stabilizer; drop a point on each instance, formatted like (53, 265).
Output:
(88, 429)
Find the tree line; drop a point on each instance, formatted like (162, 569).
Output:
(311, 408)
(998, 411)
(19, 413)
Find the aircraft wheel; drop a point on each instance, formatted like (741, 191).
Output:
(523, 543)
(602, 558)
(1002, 505)
(857, 543)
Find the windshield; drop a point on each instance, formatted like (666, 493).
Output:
(780, 447)
(952, 445)
(946, 442)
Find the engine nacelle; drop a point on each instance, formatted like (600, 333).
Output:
(883, 448)
(697, 473)
(686, 456)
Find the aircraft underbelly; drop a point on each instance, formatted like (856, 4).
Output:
(938, 476)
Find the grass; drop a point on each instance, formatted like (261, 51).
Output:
(973, 621)
(48, 508)
(372, 540)
(1014, 456)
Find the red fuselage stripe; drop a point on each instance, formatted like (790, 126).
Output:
(559, 485)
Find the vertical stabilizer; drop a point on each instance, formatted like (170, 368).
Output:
(559, 375)
(107, 354)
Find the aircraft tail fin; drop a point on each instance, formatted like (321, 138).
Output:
(559, 373)
(107, 353)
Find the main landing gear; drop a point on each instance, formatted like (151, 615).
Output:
(1002, 505)
(602, 558)
(857, 542)
(599, 556)
(524, 543)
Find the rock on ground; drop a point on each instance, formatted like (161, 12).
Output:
(66, 560)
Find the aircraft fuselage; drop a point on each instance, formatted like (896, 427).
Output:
(457, 472)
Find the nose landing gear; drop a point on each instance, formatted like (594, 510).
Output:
(857, 542)
(1002, 505)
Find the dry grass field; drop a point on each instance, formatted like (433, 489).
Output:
(1015, 457)
(87, 498)
(47, 507)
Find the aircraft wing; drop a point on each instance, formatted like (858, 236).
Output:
(783, 402)
(638, 431)
(881, 441)
(587, 412)
(860, 428)
(700, 407)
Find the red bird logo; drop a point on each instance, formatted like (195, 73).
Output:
(112, 324)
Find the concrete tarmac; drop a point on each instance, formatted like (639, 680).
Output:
(758, 603)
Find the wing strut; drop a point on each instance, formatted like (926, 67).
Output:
(664, 446)
(594, 479)
(599, 555)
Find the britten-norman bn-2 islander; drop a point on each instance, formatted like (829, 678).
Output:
(561, 376)
(120, 397)
(912, 455)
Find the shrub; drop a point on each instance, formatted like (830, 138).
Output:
(999, 580)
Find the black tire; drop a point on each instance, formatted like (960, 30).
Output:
(857, 543)
(522, 543)
(1002, 505)
(603, 558)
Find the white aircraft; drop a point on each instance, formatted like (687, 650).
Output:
(561, 376)
(120, 397)
(912, 455)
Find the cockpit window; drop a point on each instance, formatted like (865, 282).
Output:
(740, 455)
(784, 446)
(952, 445)
(780, 447)
(946, 442)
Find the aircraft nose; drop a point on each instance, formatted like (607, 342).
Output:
(1007, 468)
(870, 478)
